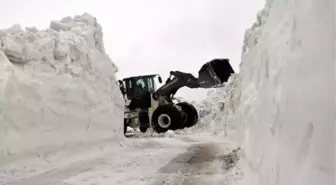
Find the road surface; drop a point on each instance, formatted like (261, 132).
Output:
(178, 160)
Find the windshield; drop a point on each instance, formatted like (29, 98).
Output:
(137, 87)
(144, 85)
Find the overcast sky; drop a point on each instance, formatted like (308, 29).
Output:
(152, 36)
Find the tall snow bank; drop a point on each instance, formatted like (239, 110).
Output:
(285, 107)
(57, 88)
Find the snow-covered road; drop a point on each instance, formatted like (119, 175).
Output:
(178, 160)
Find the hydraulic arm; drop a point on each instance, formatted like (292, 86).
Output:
(212, 74)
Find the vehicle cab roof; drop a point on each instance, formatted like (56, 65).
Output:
(141, 76)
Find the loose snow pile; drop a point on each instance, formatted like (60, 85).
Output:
(58, 89)
(282, 101)
(219, 102)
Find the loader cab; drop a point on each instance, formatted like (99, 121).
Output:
(138, 89)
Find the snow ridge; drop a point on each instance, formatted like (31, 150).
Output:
(57, 89)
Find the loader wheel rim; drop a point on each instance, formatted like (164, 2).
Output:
(164, 121)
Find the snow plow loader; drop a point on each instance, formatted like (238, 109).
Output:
(146, 106)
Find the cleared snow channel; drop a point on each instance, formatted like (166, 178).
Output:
(61, 110)
(61, 118)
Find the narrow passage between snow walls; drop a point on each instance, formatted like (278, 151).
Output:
(58, 91)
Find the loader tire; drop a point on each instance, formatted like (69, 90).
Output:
(191, 113)
(166, 117)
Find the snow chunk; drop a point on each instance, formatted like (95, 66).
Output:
(57, 89)
(170, 133)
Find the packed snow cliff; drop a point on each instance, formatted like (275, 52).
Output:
(58, 89)
(281, 106)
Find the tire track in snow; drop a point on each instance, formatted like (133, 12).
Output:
(105, 166)
(201, 164)
(190, 162)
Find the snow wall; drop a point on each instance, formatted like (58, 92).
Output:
(281, 105)
(58, 88)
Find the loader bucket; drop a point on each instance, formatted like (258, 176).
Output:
(214, 73)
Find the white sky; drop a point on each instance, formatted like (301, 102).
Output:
(152, 36)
